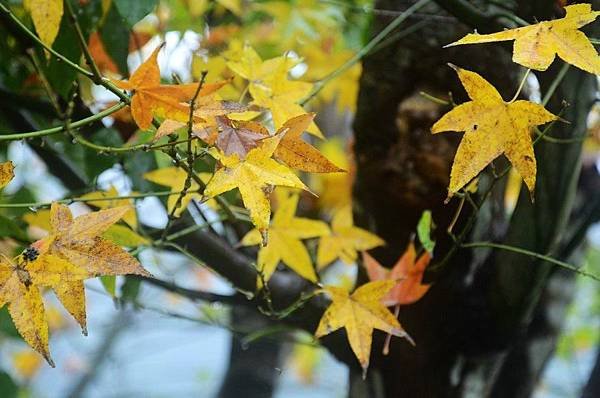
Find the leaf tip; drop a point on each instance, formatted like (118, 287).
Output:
(456, 68)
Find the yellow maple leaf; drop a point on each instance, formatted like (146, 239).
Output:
(285, 235)
(174, 178)
(119, 234)
(492, 127)
(360, 313)
(20, 282)
(270, 86)
(150, 98)
(299, 154)
(130, 218)
(536, 45)
(254, 177)
(7, 173)
(78, 241)
(46, 16)
(345, 241)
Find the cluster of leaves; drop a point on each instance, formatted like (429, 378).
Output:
(72, 252)
(494, 127)
(240, 127)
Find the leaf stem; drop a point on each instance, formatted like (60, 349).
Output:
(521, 85)
(529, 253)
(96, 75)
(59, 129)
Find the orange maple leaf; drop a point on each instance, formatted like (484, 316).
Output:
(407, 273)
(150, 98)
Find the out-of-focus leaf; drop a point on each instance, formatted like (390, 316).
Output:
(59, 75)
(8, 228)
(8, 388)
(113, 33)
(133, 11)
(109, 282)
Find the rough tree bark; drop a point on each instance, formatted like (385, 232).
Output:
(475, 326)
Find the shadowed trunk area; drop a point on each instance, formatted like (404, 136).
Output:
(476, 328)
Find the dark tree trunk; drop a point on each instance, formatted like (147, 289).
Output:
(476, 327)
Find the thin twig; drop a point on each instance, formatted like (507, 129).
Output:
(529, 253)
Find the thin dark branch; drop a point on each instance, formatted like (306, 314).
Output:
(195, 295)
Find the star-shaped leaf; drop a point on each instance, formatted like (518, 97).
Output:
(360, 313)
(537, 45)
(492, 127)
(255, 177)
(150, 98)
(270, 86)
(299, 154)
(79, 242)
(406, 273)
(345, 241)
(285, 235)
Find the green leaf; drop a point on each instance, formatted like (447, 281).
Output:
(424, 228)
(8, 388)
(109, 282)
(7, 327)
(113, 32)
(133, 11)
(60, 75)
(130, 289)
(8, 228)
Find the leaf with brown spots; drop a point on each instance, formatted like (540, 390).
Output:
(79, 242)
(492, 127)
(537, 45)
(7, 173)
(299, 154)
(360, 313)
(20, 282)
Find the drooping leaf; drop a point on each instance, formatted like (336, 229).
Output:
(492, 127)
(46, 16)
(537, 45)
(78, 241)
(285, 235)
(407, 274)
(20, 282)
(360, 313)
(345, 240)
